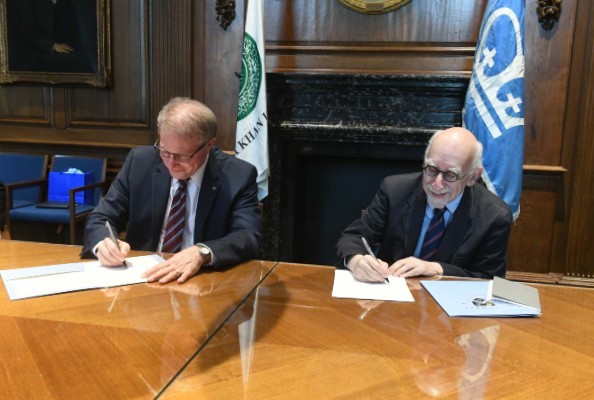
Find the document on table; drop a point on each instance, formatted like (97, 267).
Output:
(346, 286)
(482, 298)
(23, 283)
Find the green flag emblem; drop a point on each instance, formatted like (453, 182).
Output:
(251, 77)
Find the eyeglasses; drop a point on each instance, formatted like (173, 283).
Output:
(177, 157)
(448, 176)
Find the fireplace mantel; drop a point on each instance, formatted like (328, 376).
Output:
(328, 129)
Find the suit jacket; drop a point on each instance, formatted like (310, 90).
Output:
(227, 220)
(474, 243)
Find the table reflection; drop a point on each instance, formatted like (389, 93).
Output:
(291, 339)
(122, 342)
(446, 361)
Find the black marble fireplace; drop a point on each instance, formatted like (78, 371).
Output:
(332, 139)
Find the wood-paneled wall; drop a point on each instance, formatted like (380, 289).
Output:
(164, 48)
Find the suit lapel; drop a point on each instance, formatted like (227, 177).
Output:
(161, 184)
(208, 193)
(412, 220)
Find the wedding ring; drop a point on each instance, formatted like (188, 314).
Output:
(177, 273)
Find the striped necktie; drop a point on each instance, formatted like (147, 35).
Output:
(175, 224)
(433, 235)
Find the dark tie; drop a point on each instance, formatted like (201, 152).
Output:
(175, 224)
(433, 235)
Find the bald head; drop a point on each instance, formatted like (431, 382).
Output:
(458, 145)
(456, 153)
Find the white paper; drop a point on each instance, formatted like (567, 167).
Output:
(458, 299)
(346, 286)
(23, 283)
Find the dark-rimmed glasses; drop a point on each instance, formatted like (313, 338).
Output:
(448, 176)
(177, 157)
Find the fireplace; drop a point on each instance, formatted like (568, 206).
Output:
(332, 139)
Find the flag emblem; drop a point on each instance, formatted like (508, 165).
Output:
(251, 136)
(251, 77)
(494, 107)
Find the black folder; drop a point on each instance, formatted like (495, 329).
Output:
(52, 204)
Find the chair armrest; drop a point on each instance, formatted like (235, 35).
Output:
(88, 186)
(10, 187)
(73, 191)
(24, 184)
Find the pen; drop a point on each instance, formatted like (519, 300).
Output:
(370, 252)
(113, 237)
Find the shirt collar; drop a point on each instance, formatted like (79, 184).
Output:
(197, 177)
(451, 207)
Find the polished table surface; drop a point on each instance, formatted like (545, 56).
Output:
(119, 343)
(265, 330)
(291, 340)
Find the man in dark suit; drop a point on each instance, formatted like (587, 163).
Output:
(221, 222)
(400, 217)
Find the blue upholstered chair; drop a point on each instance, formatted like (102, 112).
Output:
(21, 173)
(73, 212)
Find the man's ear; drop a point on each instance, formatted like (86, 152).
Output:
(475, 176)
(211, 143)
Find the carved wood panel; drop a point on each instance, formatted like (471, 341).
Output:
(529, 247)
(183, 50)
(67, 119)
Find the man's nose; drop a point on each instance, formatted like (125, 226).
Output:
(439, 180)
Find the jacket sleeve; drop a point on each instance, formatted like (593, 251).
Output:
(242, 236)
(370, 225)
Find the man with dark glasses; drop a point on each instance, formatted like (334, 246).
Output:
(434, 222)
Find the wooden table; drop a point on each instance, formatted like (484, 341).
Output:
(230, 334)
(291, 340)
(119, 343)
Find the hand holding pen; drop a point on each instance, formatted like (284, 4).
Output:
(113, 237)
(371, 253)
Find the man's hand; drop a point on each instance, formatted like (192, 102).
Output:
(366, 269)
(63, 48)
(110, 254)
(412, 266)
(181, 267)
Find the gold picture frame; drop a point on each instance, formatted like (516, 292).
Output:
(374, 6)
(55, 42)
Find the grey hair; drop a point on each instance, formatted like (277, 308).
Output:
(187, 117)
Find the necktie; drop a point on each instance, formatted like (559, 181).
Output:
(433, 235)
(175, 224)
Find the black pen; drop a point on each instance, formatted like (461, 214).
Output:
(113, 237)
(370, 252)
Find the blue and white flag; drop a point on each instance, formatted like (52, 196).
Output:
(251, 138)
(494, 108)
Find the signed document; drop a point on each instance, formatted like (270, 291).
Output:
(23, 283)
(346, 286)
